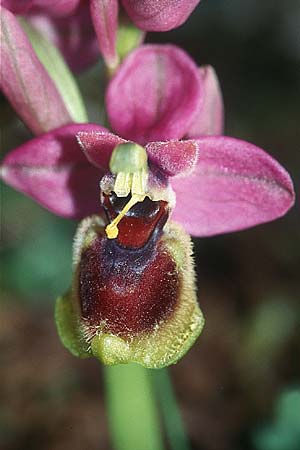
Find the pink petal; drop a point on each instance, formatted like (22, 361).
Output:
(98, 146)
(173, 157)
(235, 185)
(163, 15)
(209, 119)
(53, 171)
(105, 18)
(53, 7)
(154, 95)
(73, 35)
(25, 82)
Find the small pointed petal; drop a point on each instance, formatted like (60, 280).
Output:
(209, 119)
(98, 146)
(74, 36)
(235, 185)
(163, 15)
(53, 171)
(105, 19)
(154, 94)
(173, 157)
(25, 82)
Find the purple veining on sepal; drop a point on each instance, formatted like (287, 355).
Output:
(209, 118)
(163, 15)
(235, 185)
(54, 171)
(105, 19)
(25, 82)
(154, 94)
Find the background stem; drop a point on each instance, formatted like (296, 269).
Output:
(171, 413)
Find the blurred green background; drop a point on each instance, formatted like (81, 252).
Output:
(239, 387)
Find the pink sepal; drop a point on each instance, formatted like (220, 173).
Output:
(209, 118)
(235, 185)
(154, 94)
(54, 171)
(25, 82)
(105, 19)
(163, 15)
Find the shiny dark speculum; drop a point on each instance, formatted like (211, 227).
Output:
(147, 208)
(143, 221)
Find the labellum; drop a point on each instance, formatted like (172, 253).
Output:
(133, 297)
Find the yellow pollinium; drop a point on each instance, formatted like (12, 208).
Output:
(129, 163)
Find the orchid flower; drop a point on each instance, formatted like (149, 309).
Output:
(162, 176)
(163, 15)
(65, 23)
(41, 89)
(68, 25)
(150, 15)
(147, 15)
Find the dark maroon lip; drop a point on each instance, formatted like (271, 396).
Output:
(127, 292)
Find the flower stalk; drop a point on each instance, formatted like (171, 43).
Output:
(131, 408)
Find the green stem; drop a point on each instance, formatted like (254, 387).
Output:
(132, 412)
(172, 418)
